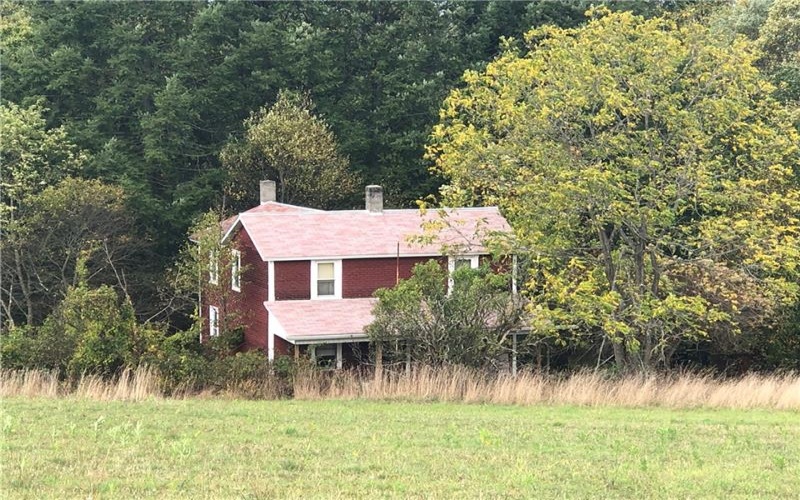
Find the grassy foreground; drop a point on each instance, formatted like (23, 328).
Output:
(68, 448)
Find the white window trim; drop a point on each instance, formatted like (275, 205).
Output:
(339, 356)
(213, 267)
(213, 321)
(474, 263)
(337, 280)
(271, 281)
(514, 278)
(236, 270)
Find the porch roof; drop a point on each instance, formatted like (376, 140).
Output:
(320, 321)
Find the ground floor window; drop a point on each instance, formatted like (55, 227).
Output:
(213, 321)
(325, 355)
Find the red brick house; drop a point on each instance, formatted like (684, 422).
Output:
(309, 275)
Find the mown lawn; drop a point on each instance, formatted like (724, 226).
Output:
(328, 449)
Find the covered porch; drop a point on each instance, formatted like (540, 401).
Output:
(330, 332)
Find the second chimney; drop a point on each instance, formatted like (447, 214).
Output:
(374, 199)
(268, 192)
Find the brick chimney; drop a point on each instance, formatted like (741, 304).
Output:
(268, 192)
(374, 199)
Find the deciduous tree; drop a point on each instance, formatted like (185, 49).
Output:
(779, 39)
(650, 173)
(288, 143)
(50, 231)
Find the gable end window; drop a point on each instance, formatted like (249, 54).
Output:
(326, 279)
(236, 270)
(213, 321)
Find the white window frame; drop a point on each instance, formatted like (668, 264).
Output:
(338, 360)
(213, 321)
(474, 263)
(213, 267)
(236, 270)
(337, 279)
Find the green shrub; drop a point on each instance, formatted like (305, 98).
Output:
(103, 325)
(44, 347)
(19, 347)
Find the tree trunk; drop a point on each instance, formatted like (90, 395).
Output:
(619, 356)
(24, 286)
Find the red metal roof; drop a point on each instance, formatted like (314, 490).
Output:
(295, 235)
(320, 320)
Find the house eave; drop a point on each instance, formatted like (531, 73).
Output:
(327, 339)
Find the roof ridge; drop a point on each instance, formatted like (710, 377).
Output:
(315, 211)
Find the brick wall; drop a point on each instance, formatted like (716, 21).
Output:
(361, 277)
(293, 280)
(254, 293)
(246, 307)
(283, 348)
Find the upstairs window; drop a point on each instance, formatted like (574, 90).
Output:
(236, 270)
(326, 280)
(213, 267)
(459, 261)
(213, 321)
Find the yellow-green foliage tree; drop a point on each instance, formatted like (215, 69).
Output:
(648, 172)
(779, 42)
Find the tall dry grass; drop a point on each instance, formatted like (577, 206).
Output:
(683, 390)
(130, 385)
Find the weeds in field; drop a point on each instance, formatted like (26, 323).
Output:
(131, 385)
(683, 390)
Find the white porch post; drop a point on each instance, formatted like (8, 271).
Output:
(270, 345)
(339, 356)
(514, 275)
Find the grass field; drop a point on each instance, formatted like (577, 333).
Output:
(68, 448)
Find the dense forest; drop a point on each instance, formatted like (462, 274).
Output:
(124, 123)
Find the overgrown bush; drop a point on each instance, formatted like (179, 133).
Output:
(31, 347)
(467, 322)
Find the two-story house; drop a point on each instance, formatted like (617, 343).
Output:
(308, 276)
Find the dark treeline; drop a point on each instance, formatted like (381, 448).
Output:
(151, 91)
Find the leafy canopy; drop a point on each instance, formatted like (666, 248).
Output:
(33, 156)
(287, 142)
(50, 231)
(647, 169)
